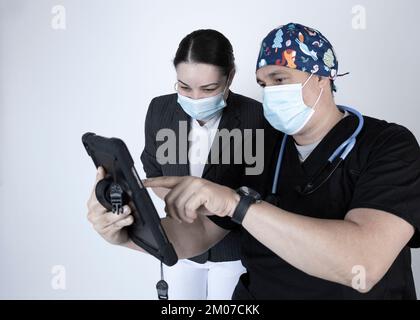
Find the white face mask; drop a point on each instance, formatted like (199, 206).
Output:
(285, 109)
(205, 108)
(202, 109)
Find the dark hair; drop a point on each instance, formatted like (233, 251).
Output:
(206, 46)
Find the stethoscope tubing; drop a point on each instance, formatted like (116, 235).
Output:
(343, 150)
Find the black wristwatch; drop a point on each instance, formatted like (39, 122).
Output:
(248, 197)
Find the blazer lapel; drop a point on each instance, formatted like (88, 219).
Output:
(182, 167)
(230, 120)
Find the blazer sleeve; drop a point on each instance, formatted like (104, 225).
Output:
(148, 157)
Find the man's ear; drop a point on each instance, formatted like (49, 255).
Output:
(323, 82)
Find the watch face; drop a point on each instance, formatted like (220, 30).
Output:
(245, 191)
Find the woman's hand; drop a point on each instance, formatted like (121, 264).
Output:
(190, 196)
(109, 225)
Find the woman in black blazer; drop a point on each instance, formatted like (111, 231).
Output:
(205, 68)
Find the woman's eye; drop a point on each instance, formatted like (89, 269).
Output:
(280, 80)
(185, 88)
(209, 90)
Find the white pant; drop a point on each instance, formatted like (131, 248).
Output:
(188, 280)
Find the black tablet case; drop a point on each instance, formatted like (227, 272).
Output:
(146, 231)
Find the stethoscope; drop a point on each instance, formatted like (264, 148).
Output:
(334, 161)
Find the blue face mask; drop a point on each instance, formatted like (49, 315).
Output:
(202, 109)
(285, 109)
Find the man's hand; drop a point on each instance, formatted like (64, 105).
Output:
(190, 196)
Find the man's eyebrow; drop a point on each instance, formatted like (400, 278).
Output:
(273, 74)
(276, 73)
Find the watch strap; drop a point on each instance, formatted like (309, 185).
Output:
(242, 208)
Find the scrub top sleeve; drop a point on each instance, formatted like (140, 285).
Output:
(390, 180)
(148, 157)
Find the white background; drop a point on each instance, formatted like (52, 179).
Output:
(100, 73)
